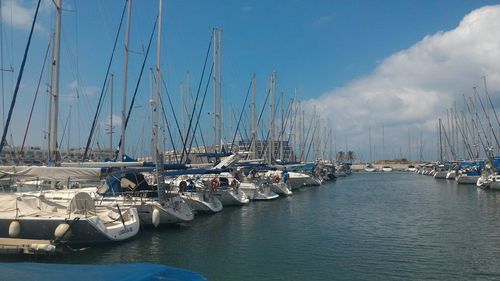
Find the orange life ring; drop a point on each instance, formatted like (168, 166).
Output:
(214, 183)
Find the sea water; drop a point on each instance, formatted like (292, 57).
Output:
(368, 226)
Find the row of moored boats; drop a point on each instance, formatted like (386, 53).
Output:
(46, 208)
(484, 174)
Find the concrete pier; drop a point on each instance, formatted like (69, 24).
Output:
(378, 167)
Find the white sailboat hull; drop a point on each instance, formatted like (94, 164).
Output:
(198, 204)
(257, 193)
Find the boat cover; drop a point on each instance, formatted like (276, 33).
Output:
(103, 164)
(80, 272)
(12, 205)
(51, 173)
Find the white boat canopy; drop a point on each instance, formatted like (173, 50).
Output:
(51, 173)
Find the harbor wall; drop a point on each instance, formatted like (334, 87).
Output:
(378, 167)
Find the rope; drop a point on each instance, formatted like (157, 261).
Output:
(137, 86)
(19, 77)
(201, 108)
(184, 143)
(99, 104)
(241, 114)
(34, 99)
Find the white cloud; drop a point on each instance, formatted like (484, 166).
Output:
(117, 123)
(247, 8)
(414, 87)
(73, 84)
(19, 14)
(87, 90)
(323, 20)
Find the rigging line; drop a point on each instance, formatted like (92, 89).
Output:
(19, 77)
(481, 124)
(269, 129)
(65, 126)
(246, 123)
(305, 141)
(312, 138)
(132, 102)
(175, 115)
(70, 55)
(489, 99)
(199, 130)
(1, 63)
(241, 114)
(293, 122)
(34, 99)
(259, 119)
(199, 112)
(92, 128)
(475, 124)
(488, 118)
(282, 133)
(237, 131)
(465, 138)
(466, 128)
(452, 150)
(168, 127)
(196, 100)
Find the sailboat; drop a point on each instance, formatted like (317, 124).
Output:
(386, 168)
(199, 197)
(369, 167)
(77, 221)
(70, 217)
(74, 220)
(156, 204)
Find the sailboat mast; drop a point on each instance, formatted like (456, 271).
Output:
(111, 116)
(409, 146)
(370, 142)
(302, 135)
(272, 116)
(55, 82)
(214, 132)
(121, 151)
(220, 88)
(254, 117)
(158, 160)
(383, 143)
(282, 132)
(183, 132)
(155, 99)
(49, 126)
(440, 141)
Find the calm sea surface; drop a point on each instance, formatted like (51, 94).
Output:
(368, 226)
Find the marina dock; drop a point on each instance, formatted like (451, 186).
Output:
(26, 246)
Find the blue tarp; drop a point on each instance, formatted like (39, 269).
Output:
(80, 272)
(471, 164)
(214, 154)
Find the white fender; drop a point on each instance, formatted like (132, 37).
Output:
(62, 232)
(14, 229)
(155, 217)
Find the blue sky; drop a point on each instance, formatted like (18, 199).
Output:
(316, 47)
